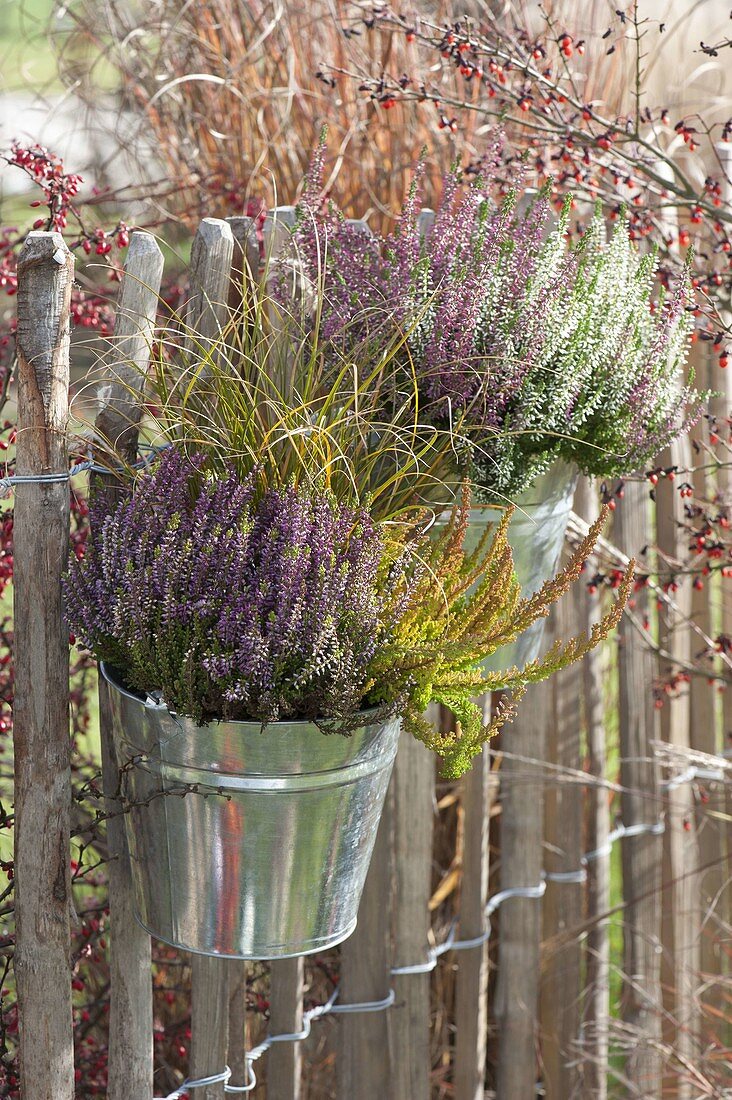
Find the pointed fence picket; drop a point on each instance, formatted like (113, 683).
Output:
(41, 705)
(130, 1060)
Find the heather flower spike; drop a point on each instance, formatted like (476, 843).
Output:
(289, 604)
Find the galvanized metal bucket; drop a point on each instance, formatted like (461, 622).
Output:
(536, 534)
(247, 844)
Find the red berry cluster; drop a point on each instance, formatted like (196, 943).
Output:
(47, 171)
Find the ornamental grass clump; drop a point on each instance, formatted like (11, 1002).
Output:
(543, 349)
(241, 603)
(260, 392)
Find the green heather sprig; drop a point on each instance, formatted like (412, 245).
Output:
(289, 604)
(544, 350)
(465, 607)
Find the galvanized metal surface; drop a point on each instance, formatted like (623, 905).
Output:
(536, 535)
(267, 857)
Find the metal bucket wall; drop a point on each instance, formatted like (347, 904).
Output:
(536, 535)
(267, 857)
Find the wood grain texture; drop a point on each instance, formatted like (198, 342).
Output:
(682, 926)
(209, 1021)
(596, 1007)
(471, 985)
(639, 802)
(210, 276)
(237, 1060)
(244, 269)
(563, 902)
(409, 1018)
(721, 407)
(41, 704)
(284, 1060)
(522, 831)
(363, 1064)
(212, 253)
(705, 734)
(130, 1059)
(123, 382)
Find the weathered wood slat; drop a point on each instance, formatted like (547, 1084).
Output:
(209, 1021)
(244, 267)
(721, 407)
(563, 904)
(41, 705)
(409, 1018)
(704, 734)
(682, 926)
(596, 1008)
(284, 1061)
(210, 275)
(130, 1060)
(237, 1060)
(245, 264)
(211, 262)
(639, 801)
(522, 831)
(276, 231)
(122, 388)
(363, 1064)
(471, 986)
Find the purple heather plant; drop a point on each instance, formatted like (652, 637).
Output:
(544, 349)
(235, 605)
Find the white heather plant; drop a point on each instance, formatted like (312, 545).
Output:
(543, 350)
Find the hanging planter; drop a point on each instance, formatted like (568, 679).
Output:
(536, 534)
(245, 844)
(263, 648)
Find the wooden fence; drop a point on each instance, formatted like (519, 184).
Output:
(532, 826)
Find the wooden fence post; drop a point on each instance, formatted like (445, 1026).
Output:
(562, 909)
(210, 274)
(519, 947)
(209, 1021)
(682, 924)
(41, 704)
(471, 983)
(409, 1018)
(639, 800)
(721, 407)
(284, 1062)
(363, 1063)
(211, 260)
(596, 1008)
(130, 1059)
(245, 266)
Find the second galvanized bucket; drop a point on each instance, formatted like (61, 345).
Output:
(536, 534)
(243, 843)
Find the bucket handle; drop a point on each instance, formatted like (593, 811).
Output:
(147, 700)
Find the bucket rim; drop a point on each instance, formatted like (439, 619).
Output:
(113, 677)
